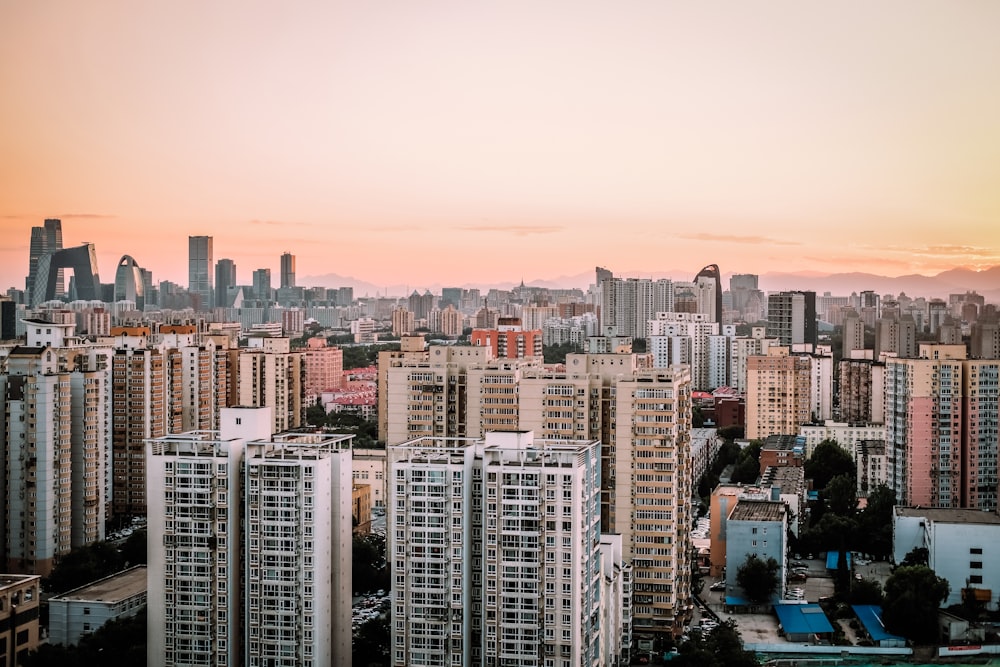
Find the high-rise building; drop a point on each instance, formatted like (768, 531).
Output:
(52, 491)
(201, 270)
(271, 375)
(86, 283)
(252, 556)
(262, 284)
(496, 551)
(709, 280)
(129, 284)
(896, 336)
(630, 304)
(8, 319)
(791, 317)
(452, 296)
(324, 368)
(225, 278)
(402, 321)
(862, 391)
(779, 393)
(509, 340)
(854, 334)
(287, 270)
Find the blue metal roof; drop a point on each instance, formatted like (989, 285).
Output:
(871, 617)
(833, 558)
(801, 619)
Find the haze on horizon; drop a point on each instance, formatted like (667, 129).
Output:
(452, 142)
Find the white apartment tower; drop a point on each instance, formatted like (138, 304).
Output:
(496, 548)
(249, 546)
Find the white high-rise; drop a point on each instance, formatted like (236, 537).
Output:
(496, 551)
(249, 546)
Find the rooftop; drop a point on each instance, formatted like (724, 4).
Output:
(115, 588)
(758, 510)
(949, 515)
(7, 580)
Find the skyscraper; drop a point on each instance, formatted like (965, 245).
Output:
(200, 269)
(262, 284)
(791, 317)
(287, 270)
(225, 277)
(706, 276)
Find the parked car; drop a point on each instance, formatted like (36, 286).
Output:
(798, 576)
(718, 586)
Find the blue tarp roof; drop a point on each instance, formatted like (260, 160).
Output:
(833, 557)
(736, 601)
(871, 617)
(801, 619)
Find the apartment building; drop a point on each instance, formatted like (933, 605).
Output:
(496, 548)
(779, 393)
(250, 544)
(271, 375)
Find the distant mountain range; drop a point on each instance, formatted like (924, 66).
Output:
(986, 282)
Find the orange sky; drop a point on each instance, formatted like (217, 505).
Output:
(463, 142)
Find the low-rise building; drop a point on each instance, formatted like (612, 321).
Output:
(962, 547)
(361, 508)
(83, 610)
(19, 595)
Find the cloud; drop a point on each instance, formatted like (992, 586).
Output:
(279, 223)
(852, 261)
(516, 230)
(735, 238)
(942, 251)
(395, 228)
(91, 216)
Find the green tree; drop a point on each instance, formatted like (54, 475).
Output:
(731, 432)
(747, 468)
(829, 460)
(133, 551)
(875, 522)
(556, 354)
(916, 556)
(913, 595)
(316, 414)
(369, 568)
(370, 647)
(82, 566)
(758, 578)
(866, 591)
(841, 496)
(721, 647)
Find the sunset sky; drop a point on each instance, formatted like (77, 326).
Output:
(463, 142)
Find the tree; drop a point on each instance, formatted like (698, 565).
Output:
(369, 569)
(841, 496)
(866, 591)
(747, 468)
(721, 647)
(758, 578)
(82, 566)
(829, 460)
(875, 522)
(917, 556)
(913, 595)
(370, 647)
(556, 354)
(117, 643)
(316, 414)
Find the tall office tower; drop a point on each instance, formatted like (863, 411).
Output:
(297, 547)
(896, 336)
(923, 426)
(271, 375)
(141, 392)
(709, 284)
(402, 321)
(496, 548)
(324, 369)
(682, 338)
(225, 278)
(36, 249)
(201, 268)
(287, 270)
(194, 525)
(862, 391)
(854, 334)
(601, 274)
(791, 317)
(8, 319)
(629, 304)
(650, 501)
(742, 286)
(54, 242)
(779, 396)
(129, 285)
(452, 296)
(262, 284)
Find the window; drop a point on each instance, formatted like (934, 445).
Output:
(976, 565)
(976, 579)
(976, 551)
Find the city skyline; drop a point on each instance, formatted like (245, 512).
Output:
(513, 141)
